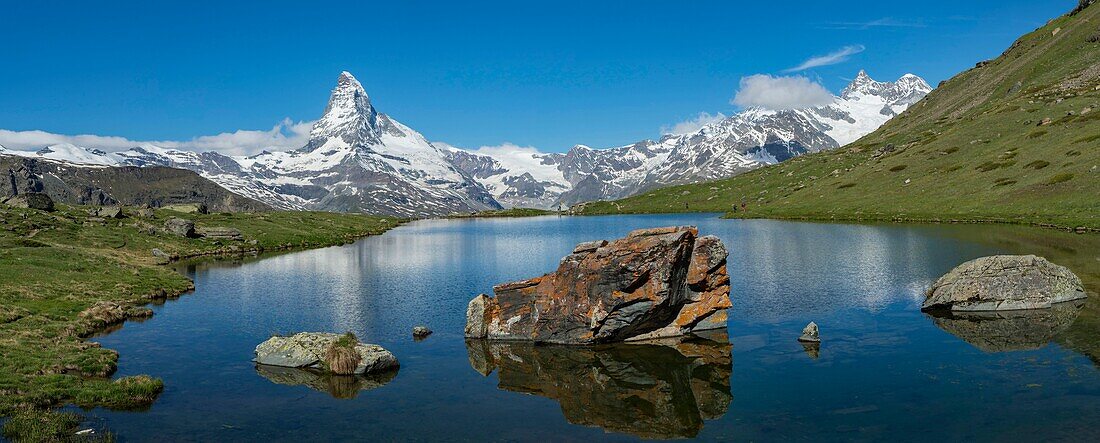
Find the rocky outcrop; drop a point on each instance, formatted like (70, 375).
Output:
(654, 283)
(33, 200)
(1004, 282)
(180, 227)
(307, 350)
(102, 186)
(660, 389)
(113, 211)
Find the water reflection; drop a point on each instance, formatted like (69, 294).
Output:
(338, 386)
(651, 390)
(999, 331)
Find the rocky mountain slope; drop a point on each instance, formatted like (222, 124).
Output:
(742, 142)
(356, 160)
(1013, 139)
(153, 186)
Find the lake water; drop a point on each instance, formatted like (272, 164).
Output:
(883, 371)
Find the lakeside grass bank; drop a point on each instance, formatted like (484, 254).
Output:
(66, 275)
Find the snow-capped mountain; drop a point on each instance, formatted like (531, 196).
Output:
(357, 159)
(739, 143)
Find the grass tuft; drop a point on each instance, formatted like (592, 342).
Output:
(1059, 178)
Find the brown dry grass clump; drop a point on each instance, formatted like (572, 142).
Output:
(341, 356)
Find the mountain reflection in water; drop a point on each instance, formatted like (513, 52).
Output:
(651, 390)
(999, 331)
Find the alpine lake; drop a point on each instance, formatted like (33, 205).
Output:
(883, 371)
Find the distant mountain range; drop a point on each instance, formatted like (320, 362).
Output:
(722, 149)
(360, 160)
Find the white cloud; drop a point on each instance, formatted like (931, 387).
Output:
(780, 93)
(839, 56)
(885, 22)
(694, 124)
(506, 148)
(284, 135)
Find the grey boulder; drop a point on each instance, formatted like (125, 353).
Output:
(1004, 282)
(810, 334)
(31, 200)
(307, 349)
(180, 227)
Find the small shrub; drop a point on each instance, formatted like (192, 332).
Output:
(846, 185)
(1037, 134)
(1004, 181)
(898, 168)
(1059, 178)
(1037, 164)
(1073, 153)
(950, 150)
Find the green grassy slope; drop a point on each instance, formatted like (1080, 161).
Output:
(55, 266)
(979, 147)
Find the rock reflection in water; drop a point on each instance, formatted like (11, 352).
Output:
(338, 386)
(652, 390)
(812, 348)
(998, 331)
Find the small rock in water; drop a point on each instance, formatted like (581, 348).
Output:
(88, 431)
(421, 332)
(308, 349)
(810, 333)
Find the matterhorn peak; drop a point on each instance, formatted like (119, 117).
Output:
(346, 80)
(349, 116)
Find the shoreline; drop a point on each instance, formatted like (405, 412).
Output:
(1083, 229)
(108, 277)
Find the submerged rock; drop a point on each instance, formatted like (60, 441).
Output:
(810, 333)
(308, 349)
(659, 389)
(1004, 282)
(660, 282)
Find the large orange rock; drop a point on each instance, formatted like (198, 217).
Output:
(654, 283)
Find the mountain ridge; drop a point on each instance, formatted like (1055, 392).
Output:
(358, 159)
(741, 142)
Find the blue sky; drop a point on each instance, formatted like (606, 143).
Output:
(543, 74)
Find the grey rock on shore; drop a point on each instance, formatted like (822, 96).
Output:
(1004, 282)
(180, 227)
